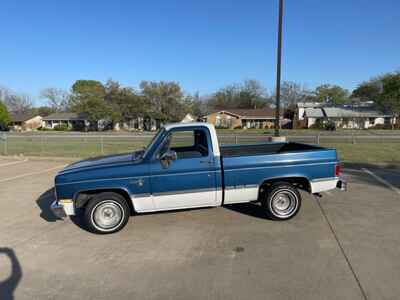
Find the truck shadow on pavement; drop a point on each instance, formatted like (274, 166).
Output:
(9, 285)
(44, 202)
(250, 209)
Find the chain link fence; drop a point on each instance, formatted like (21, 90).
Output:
(87, 145)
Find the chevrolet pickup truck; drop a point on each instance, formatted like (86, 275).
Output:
(185, 167)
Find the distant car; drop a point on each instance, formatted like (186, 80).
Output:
(175, 172)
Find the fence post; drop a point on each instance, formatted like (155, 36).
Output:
(318, 138)
(236, 139)
(353, 140)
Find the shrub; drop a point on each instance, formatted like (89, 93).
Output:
(331, 126)
(45, 129)
(61, 127)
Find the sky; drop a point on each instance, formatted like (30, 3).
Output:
(203, 45)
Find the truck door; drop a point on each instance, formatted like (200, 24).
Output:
(183, 171)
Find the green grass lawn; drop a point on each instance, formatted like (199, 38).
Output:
(82, 147)
(367, 152)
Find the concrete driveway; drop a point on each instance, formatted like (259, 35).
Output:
(341, 246)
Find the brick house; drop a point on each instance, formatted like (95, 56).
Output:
(242, 118)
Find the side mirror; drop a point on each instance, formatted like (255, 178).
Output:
(167, 157)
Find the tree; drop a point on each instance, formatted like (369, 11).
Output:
(165, 98)
(292, 93)
(224, 98)
(57, 98)
(249, 94)
(125, 102)
(333, 94)
(384, 90)
(368, 91)
(19, 103)
(43, 111)
(4, 116)
(389, 97)
(88, 96)
(195, 105)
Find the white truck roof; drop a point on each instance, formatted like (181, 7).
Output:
(210, 127)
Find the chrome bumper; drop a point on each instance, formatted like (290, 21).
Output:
(58, 210)
(342, 185)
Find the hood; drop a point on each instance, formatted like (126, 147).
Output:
(101, 161)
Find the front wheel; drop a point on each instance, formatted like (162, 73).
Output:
(281, 201)
(106, 213)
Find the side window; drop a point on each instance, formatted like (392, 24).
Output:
(182, 139)
(187, 143)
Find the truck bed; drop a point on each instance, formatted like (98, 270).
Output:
(246, 167)
(265, 149)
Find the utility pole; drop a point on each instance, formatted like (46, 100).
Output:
(278, 69)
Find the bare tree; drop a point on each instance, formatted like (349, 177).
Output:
(57, 99)
(19, 103)
(292, 93)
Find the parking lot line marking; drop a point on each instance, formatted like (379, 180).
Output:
(32, 173)
(351, 170)
(381, 180)
(14, 163)
(341, 249)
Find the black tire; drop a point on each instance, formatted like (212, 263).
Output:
(281, 201)
(106, 207)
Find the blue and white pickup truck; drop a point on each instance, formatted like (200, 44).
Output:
(178, 173)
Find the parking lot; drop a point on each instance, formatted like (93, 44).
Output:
(345, 245)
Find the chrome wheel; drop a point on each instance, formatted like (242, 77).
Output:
(107, 215)
(284, 203)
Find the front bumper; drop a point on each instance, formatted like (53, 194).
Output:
(62, 208)
(58, 210)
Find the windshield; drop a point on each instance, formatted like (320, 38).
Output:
(152, 142)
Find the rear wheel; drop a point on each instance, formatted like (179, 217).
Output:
(106, 213)
(282, 201)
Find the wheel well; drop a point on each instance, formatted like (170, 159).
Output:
(82, 198)
(299, 182)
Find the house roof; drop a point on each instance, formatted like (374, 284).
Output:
(22, 117)
(314, 113)
(250, 113)
(310, 104)
(337, 112)
(66, 117)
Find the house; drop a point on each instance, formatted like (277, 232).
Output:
(345, 117)
(25, 121)
(139, 124)
(303, 106)
(357, 118)
(311, 116)
(242, 118)
(71, 120)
